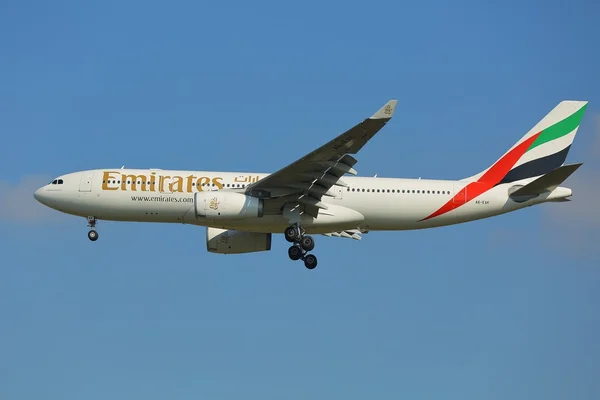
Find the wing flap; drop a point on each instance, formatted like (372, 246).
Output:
(349, 233)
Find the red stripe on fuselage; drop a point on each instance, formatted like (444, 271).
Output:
(488, 180)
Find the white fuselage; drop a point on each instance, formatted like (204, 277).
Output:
(369, 204)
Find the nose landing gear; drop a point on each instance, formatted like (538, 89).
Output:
(92, 234)
(302, 245)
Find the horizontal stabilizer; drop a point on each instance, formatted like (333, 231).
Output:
(546, 183)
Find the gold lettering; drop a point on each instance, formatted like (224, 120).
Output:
(189, 183)
(134, 182)
(177, 180)
(161, 183)
(106, 178)
(218, 182)
(203, 180)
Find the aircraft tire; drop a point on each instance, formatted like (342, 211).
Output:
(291, 234)
(310, 261)
(307, 243)
(93, 235)
(295, 253)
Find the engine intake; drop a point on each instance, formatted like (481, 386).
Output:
(227, 205)
(230, 241)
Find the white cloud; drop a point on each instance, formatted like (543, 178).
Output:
(18, 205)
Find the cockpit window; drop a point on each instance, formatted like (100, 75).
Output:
(54, 182)
(60, 181)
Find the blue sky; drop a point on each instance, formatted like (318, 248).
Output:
(495, 309)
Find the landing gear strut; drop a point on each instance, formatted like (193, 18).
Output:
(92, 234)
(302, 245)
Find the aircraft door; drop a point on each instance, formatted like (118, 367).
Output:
(338, 190)
(460, 193)
(85, 184)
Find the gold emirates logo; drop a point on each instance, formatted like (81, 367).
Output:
(115, 180)
(213, 204)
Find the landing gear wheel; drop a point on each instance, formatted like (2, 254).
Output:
(307, 243)
(295, 252)
(291, 234)
(310, 261)
(93, 235)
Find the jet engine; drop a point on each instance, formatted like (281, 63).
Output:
(224, 205)
(230, 241)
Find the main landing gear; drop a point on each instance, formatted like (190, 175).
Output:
(92, 234)
(302, 245)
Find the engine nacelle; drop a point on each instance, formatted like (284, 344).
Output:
(224, 205)
(230, 241)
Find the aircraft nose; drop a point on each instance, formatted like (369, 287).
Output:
(38, 195)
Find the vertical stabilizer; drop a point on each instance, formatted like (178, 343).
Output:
(543, 149)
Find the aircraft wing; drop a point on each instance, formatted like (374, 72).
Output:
(308, 179)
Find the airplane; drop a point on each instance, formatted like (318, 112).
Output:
(320, 193)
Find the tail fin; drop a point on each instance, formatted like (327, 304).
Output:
(543, 149)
